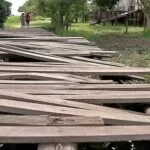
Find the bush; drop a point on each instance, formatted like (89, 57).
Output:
(4, 11)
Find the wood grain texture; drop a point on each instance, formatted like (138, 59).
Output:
(18, 120)
(73, 134)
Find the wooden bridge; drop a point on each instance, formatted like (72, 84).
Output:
(52, 92)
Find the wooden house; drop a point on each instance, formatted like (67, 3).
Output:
(124, 9)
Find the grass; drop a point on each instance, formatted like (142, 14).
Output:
(38, 21)
(12, 22)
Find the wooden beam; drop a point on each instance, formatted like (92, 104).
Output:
(22, 120)
(102, 87)
(73, 134)
(77, 70)
(109, 115)
(24, 53)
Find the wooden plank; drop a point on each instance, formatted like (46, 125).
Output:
(62, 51)
(44, 100)
(58, 146)
(104, 99)
(109, 115)
(51, 146)
(41, 57)
(77, 70)
(50, 38)
(61, 46)
(111, 64)
(108, 87)
(101, 95)
(16, 120)
(36, 82)
(69, 40)
(74, 134)
(98, 61)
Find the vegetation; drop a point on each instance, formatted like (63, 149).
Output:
(133, 47)
(105, 4)
(61, 12)
(38, 21)
(4, 11)
(145, 4)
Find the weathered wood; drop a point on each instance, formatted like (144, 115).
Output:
(47, 146)
(77, 70)
(58, 146)
(103, 98)
(109, 115)
(108, 87)
(36, 82)
(16, 120)
(73, 134)
(41, 57)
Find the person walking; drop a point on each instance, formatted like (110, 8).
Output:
(23, 20)
(28, 19)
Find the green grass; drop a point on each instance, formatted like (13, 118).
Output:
(147, 34)
(38, 21)
(12, 22)
(85, 29)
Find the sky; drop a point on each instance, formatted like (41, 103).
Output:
(15, 5)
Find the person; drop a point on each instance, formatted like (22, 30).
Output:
(22, 19)
(28, 19)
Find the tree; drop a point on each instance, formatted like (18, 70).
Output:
(146, 7)
(5, 11)
(107, 4)
(61, 12)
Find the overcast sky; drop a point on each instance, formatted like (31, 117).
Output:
(15, 5)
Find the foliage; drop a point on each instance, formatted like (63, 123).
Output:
(106, 4)
(62, 12)
(12, 22)
(145, 5)
(4, 11)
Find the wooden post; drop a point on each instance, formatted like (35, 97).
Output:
(127, 24)
(64, 146)
(145, 23)
(68, 146)
(46, 147)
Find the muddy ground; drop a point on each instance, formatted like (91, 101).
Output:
(133, 50)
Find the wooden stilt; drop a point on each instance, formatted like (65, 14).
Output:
(69, 146)
(126, 23)
(64, 146)
(46, 147)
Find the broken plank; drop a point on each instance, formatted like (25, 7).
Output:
(108, 87)
(110, 115)
(41, 57)
(22, 120)
(36, 82)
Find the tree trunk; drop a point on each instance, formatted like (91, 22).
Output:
(76, 19)
(61, 16)
(147, 20)
(146, 7)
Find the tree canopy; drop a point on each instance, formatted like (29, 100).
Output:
(146, 7)
(106, 3)
(5, 11)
